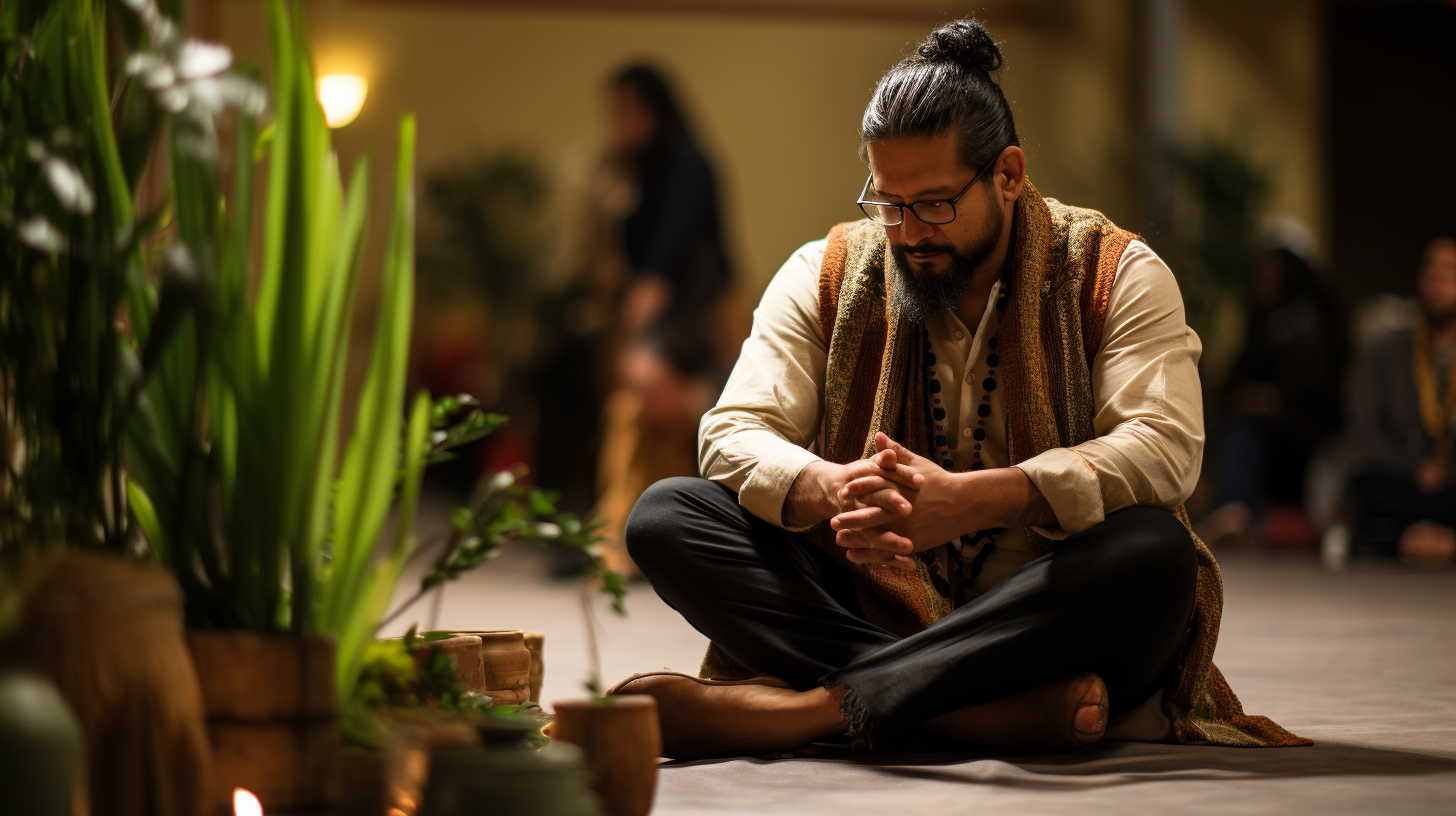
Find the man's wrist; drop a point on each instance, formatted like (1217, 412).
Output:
(807, 502)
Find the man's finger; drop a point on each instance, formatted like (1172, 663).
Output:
(877, 491)
(880, 558)
(876, 538)
(863, 517)
(896, 472)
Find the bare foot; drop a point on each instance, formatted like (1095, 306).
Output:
(1427, 544)
(1063, 715)
(700, 719)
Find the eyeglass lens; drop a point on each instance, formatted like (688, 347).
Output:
(931, 212)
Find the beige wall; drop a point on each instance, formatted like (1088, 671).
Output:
(1252, 73)
(777, 98)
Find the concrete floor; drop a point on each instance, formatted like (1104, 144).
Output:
(1362, 662)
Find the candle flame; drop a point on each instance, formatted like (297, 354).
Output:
(245, 803)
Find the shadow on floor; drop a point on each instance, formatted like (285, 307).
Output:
(1113, 764)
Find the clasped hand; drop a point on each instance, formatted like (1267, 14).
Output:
(898, 504)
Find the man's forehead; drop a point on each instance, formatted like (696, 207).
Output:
(915, 167)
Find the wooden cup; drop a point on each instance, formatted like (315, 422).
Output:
(622, 740)
(535, 644)
(505, 665)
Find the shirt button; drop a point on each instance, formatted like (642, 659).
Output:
(960, 335)
(966, 433)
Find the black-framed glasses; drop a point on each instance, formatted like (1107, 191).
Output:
(934, 211)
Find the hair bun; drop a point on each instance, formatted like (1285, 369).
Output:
(966, 42)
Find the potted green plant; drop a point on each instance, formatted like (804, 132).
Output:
(241, 477)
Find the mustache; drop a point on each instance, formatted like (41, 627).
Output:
(903, 250)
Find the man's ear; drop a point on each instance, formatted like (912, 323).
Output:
(1010, 173)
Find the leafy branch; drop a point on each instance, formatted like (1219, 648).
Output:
(501, 510)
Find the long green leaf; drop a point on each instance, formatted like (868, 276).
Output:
(146, 515)
(280, 150)
(367, 480)
(364, 613)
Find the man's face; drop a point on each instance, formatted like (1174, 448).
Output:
(937, 260)
(1436, 288)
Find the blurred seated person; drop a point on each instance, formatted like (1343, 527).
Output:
(1403, 418)
(1281, 401)
(670, 322)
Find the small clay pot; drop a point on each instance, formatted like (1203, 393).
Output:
(622, 740)
(535, 643)
(465, 648)
(506, 665)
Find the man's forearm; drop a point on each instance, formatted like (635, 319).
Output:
(1003, 497)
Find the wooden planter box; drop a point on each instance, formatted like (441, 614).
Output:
(272, 719)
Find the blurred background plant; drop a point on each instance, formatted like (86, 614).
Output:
(1222, 194)
(484, 259)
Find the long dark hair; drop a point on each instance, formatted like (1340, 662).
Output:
(656, 94)
(946, 84)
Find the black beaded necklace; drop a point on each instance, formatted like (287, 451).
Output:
(985, 540)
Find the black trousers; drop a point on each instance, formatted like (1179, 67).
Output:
(1114, 600)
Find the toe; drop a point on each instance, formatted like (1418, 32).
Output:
(1088, 720)
(1089, 717)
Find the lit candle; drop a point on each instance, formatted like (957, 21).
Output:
(245, 803)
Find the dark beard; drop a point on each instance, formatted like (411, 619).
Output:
(920, 294)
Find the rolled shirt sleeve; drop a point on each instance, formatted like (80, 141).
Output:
(756, 439)
(1148, 402)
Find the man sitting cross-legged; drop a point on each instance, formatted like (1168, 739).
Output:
(942, 478)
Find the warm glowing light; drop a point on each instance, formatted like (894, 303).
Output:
(245, 803)
(342, 95)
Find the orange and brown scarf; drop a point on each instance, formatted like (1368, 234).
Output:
(1435, 407)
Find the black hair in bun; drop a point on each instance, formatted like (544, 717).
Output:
(966, 42)
(945, 85)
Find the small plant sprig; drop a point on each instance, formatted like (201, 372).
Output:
(501, 510)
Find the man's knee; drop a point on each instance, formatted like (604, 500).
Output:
(1153, 548)
(663, 516)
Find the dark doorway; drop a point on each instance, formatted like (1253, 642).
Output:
(1392, 117)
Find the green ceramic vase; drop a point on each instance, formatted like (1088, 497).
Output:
(42, 755)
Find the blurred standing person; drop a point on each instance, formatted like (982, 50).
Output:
(1403, 412)
(1281, 402)
(677, 275)
(673, 237)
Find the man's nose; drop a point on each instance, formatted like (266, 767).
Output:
(913, 230)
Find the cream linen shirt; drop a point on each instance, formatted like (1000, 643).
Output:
(1145, 389)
